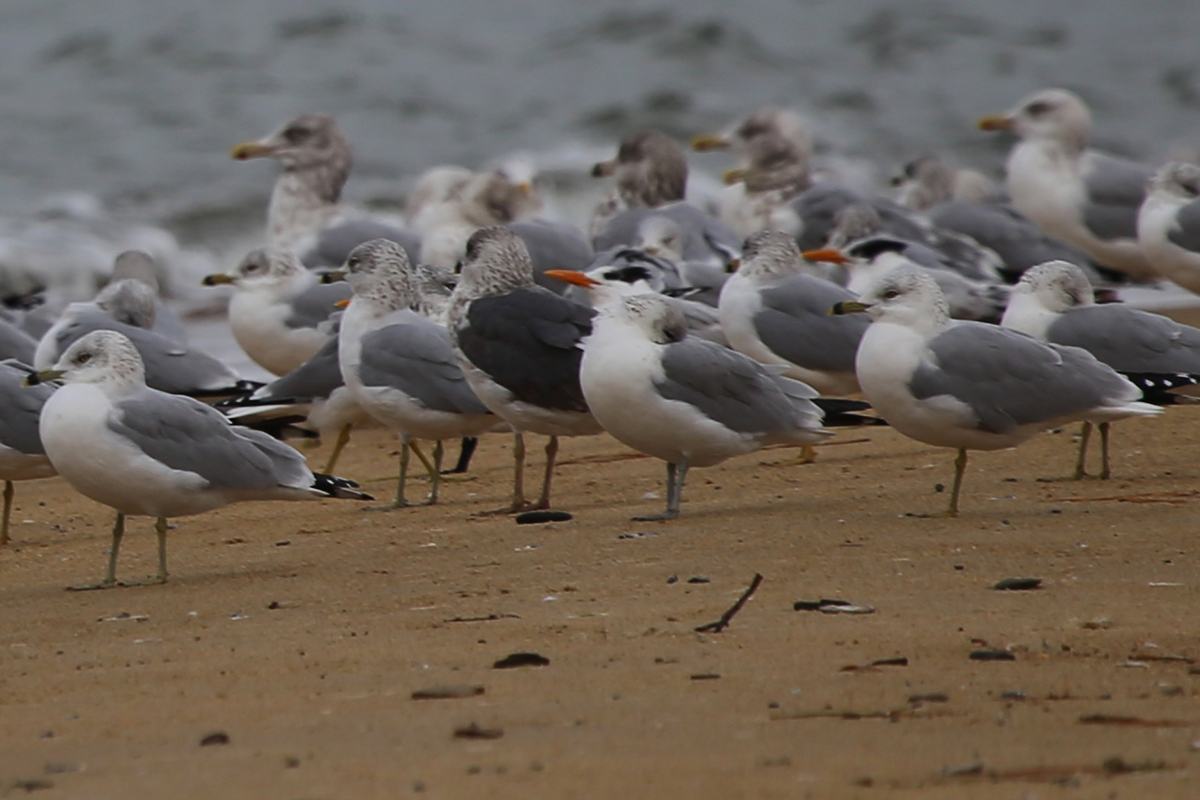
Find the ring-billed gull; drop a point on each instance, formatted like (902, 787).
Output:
(22, 456)
(1169, 224)
(518, 345)
(305, 203)
(398, 364)
(169, 365)
(872, 257)
(685, 400)
(1084, 197)
(971, 385)
(276, 307)
(776, 314)
(147, 453)
(636, 278)
(1054, 303)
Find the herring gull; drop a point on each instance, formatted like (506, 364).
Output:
(1081, 196)
(306, 204)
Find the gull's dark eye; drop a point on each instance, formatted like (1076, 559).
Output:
(891, 293)
(83, 358)
(353, 263)
(296, 134)
(1039, 107)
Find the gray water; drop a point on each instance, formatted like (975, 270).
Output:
(138, 101)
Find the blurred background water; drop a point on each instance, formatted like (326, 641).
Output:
(138, 101)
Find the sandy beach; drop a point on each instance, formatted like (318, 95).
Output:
(281, 659)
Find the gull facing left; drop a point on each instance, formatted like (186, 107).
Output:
(685, 400)
(971, 385)
(148, 453)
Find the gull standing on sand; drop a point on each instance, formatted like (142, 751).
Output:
(690, 402)
(776, 314)
(518, 345)
(147, 453)
(1054, 303)
(399, 364)
(1169, 224)
(970, 385)
(1081, 196)
(22, 456)
(276, 307)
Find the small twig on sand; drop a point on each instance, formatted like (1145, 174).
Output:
(727, 617)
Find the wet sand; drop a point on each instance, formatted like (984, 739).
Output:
(301, 630)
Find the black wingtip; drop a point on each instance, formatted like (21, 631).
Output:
(334, 486)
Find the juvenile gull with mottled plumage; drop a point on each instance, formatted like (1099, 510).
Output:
(776, 314)
(400, 365)
(305, 205)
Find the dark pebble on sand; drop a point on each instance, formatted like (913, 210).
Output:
(473, 731)
(992, 655)
(534, 517)
(215, 738)
(521, 660)
(447, 692)
(1018, 584)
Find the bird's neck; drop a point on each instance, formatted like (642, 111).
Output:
(302, 202)
(1025, 314)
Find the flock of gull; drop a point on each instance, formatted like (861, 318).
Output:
(689, 332)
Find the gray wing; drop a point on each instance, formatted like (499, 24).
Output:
(187, 435)
(796, 325)
(417, 358)
(22, 407)
(1018, 241)
(16, 343)
(168, 323)
(553, 245)
(528, 342)
(314, 305)
(335, 242)
(170, 366)
(818, 206)
(1116, 188)
(1129, 340)
(728, 387)
(315, 378)
(1009, 379)
(1185, 232)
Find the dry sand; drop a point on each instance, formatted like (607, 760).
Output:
(301, 630)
